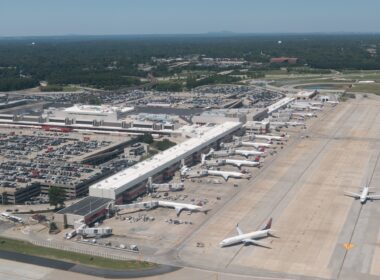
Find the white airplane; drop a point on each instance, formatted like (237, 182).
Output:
(363, 196)
(239, 163)
(315, 108)
(279, 124)
(184, 170)
(247, 153)
(304, 115)
(332, 102)
(249, 238)
(269, 137)
(236, 162)
(225, 174)
(179, 207)
(256, 145)
(229, 174)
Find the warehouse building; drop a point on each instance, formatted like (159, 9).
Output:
(131, 182)
(99, 113)
(230, 115)
(89, 210)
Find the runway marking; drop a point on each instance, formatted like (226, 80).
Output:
(348, 246)
(293, 143)
(357, 219)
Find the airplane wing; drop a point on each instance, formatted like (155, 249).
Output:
(178, 210)
(240, 232)
(376, 196)
(226, 176)
(255, 242)
(352, 194)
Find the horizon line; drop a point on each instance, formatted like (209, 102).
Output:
(211, 33)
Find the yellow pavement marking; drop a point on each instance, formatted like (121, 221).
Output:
(348, 246)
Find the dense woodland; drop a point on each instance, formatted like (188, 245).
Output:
(111, 61)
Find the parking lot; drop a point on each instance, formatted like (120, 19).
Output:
(36, 157)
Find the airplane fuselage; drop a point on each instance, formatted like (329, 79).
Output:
(247, 153)
(228, 174)
(240, 238)
(239, 163)
(364, 195)
(270, 137)
(255, 144)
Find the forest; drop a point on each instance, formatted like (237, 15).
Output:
(112, 61)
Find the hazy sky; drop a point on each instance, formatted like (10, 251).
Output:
(61, 17)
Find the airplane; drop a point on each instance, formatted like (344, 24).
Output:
(280, 124)
(363, 196)
(247, 153)
(256, 145)
(225, 174)
(236, 162)
(179, 207)
(315, 108)
(184, 170)
(269, 137)
(239, 163)
(332, 102)
(303, 115)
(249, 238)
(228, 174)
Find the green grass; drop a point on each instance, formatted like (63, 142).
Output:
(345, 96)
(12, 245)
(370, 88)
(70, 88)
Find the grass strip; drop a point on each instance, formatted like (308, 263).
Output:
(24, 247)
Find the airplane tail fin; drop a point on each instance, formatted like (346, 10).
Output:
(268, 225)
(257, 158)
(262, 149)
(240, 232)
(203, 159)
(206, 211)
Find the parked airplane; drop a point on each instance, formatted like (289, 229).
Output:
(236, 162)
(179, 207)
(304, 115)
(363, 196)
(148, 205)
(247, 153)
(239, 163)
(249, 238)
(332, 102)
(256, 145)
(225, 174)
(270, 137)
(286, 124)
(229, 174)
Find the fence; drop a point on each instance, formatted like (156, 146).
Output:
(97, 253)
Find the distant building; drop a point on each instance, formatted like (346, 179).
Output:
(89, 210)
(99, 113)
(230, 115)
(289, 60)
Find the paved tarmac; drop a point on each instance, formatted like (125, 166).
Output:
(303, 191)
(322, 234)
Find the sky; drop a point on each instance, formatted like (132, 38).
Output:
(116, 17)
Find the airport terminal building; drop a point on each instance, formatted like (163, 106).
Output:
(131, 182)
